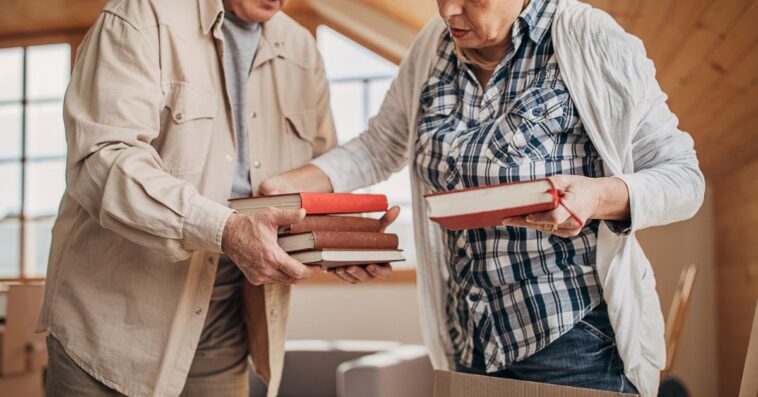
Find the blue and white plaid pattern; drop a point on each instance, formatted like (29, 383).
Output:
(513, 290)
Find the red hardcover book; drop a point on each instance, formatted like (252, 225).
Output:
(487, 206)
(315, 203)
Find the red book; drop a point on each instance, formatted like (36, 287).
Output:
(338, 240)
(315, 203)
(487, 206)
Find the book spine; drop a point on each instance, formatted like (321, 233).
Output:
(317, 223)
(354, 240)
(340, 203)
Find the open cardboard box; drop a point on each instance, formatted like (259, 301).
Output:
(456, 384)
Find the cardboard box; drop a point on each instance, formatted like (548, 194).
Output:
(456, 384)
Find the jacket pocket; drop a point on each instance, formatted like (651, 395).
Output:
(300, 133)
(527, 131)
(187, 122)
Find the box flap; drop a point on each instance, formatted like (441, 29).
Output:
(456, 384)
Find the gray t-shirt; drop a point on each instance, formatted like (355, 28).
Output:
(240, 45)
(222, 346)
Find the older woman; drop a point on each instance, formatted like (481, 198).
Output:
(506, 90)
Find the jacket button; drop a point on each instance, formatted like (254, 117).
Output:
(228, 158)
(179, 116)
(198, 311)
(257, 164)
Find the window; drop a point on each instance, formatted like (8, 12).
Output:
(32, 154)
(358, 82)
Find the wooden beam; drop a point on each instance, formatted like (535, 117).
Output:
(368, 26)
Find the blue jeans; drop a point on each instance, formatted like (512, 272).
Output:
(586, 356)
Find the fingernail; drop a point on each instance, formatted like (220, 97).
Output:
(371, 268)
(530, 219)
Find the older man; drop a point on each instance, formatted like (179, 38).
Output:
(173, 107)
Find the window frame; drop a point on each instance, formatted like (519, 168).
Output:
(73, 39)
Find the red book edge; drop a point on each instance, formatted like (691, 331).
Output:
(335, 203)
(477, 220)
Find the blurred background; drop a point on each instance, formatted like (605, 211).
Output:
(706, 55)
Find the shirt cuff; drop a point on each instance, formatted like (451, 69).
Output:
(204, 224)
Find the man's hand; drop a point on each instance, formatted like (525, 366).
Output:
(587, 198)
(359, 274)
(250, 241)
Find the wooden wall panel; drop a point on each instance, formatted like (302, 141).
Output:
(736, 208)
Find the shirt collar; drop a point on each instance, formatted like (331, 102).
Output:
(211, 11)
(535, 20)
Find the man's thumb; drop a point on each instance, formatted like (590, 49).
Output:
(288, 217)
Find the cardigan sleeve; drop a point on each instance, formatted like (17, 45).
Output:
(378, 152)
(666, 185)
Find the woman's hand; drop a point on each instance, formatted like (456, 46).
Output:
(307, 178)
(587, 198)
(359, 274)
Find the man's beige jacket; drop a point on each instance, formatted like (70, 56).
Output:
(151, 156)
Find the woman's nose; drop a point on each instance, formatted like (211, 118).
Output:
(450, 8)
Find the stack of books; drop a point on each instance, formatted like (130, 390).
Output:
(336, 231)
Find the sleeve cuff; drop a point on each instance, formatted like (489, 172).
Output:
(204, 224)
(625, 227)
(330, 163)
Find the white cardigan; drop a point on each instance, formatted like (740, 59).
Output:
(612, 83)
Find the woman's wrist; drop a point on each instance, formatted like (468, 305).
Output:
(612, 199)
(309, 178)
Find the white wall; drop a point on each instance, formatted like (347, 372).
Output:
(383, 311)
(670, 248)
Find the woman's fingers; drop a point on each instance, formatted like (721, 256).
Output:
(381, 270)
(389, 217)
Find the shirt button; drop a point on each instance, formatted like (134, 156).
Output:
(537, 112)
(257, 164)
(198, 311)
(519, 141)
(253, 115)
(179, 116)
(273, 312)
(228, 158)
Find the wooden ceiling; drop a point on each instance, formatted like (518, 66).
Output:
(706, 53)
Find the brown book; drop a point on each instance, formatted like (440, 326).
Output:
(317, 223)
(338, 240)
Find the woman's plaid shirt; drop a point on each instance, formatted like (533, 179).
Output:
(513, 290)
